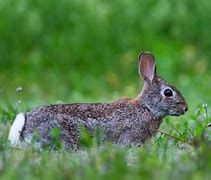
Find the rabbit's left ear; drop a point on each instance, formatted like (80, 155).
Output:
(147, 66)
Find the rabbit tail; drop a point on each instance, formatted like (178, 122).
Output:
(16, 129)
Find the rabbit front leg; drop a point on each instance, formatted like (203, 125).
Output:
(133, 138)
(125, 138)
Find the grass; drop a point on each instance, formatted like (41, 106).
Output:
(182, 152)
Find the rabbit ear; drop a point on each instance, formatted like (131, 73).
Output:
(147, 66)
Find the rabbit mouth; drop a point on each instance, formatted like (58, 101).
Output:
(178, 113)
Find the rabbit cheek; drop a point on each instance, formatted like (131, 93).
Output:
(168, 106)
(157, 99)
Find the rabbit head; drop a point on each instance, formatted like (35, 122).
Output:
(158, 95)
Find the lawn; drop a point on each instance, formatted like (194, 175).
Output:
(86, 51)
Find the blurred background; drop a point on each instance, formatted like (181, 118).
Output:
(86, 51)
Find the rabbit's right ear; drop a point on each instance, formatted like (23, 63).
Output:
(147, 66)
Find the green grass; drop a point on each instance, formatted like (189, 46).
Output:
(164, 156)
(86, 51)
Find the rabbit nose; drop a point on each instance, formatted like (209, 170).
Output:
(186, 108)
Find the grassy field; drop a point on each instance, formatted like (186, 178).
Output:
(86, 51)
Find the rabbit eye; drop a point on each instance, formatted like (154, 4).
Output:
(168, 92)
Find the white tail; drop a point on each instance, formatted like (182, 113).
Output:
(16, 129)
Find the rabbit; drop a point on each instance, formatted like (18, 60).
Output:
(125, 121)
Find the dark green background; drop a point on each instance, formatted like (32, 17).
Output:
(73, 50)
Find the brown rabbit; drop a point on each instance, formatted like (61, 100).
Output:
(125, 121)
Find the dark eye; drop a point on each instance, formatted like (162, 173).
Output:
(168, 92)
